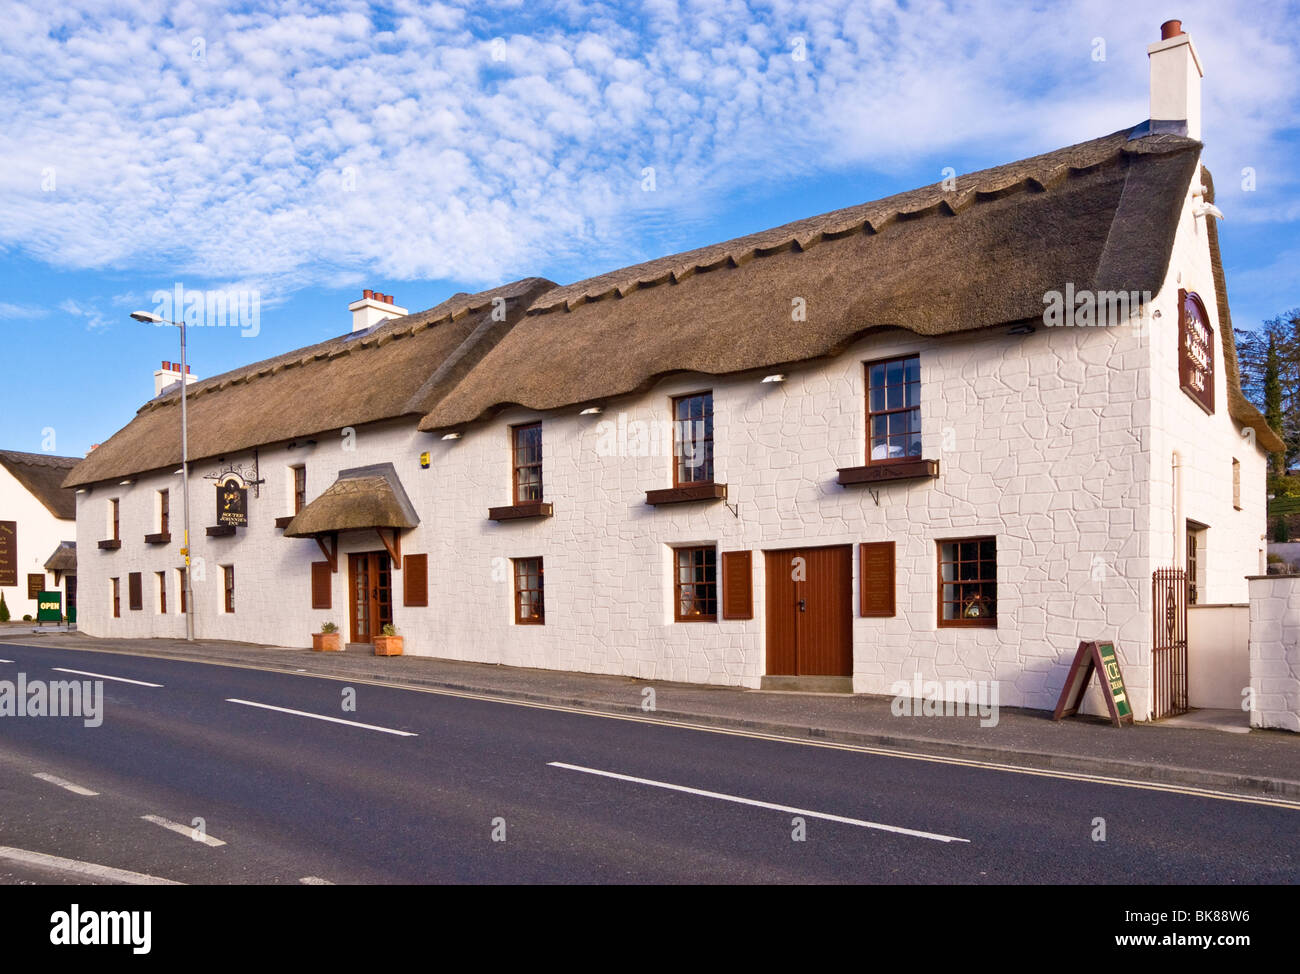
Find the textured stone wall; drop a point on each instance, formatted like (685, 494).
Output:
(1275, 651)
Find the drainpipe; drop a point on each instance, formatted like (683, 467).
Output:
(1176, 471)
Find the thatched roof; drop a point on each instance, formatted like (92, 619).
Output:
(1101, 215)
(64, 558)
(361, 497)
(42, 476)
(394, 369)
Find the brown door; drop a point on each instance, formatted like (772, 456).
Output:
(370, 582)
(810, 611)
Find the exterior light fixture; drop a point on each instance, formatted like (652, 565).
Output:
(125, 483)
(1021, 330)
(592, 411)
(779, 377)
(451, 436)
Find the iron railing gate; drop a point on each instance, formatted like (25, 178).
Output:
(1169, 642)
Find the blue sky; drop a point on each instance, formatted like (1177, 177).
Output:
(306, 151)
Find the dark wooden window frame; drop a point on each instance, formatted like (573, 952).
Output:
(737, 590)
(180, 587)
(228, 587)
(517, 466)
(117, 597)
(415, 580)
(299, 487)
(520, 578)
(696, 597)
(678, 459)
(162, 592)
(872, 414)
(115, 507)
(164, 512)
(987, 622)
(135, 591)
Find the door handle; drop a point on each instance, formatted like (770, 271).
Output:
(803, 605)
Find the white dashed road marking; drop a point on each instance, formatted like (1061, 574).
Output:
(64, 783)
(332, 720)
(184, 830)
(86, 870)
(101, 676)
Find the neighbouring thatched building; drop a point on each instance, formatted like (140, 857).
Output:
(949, 433)
(37, 528)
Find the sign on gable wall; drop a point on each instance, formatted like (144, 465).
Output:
(8, 553)
(1195, 351)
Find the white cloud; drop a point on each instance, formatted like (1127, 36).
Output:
(305, 142)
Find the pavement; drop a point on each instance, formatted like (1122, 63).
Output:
(1190, 752)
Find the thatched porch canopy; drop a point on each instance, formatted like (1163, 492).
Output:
(362, 498)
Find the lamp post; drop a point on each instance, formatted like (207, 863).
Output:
(149, 317)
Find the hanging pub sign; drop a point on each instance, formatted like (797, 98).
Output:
(8, 553)
(232, 503)
(1102, 658)
(1195, 351)
(49, 607)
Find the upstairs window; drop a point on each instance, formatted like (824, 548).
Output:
(693, 439)
(697, 584)
(526, 442)
(299, 488)
(894, 409)
(113, 507)
(164, 511)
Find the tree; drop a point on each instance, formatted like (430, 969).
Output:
(1268, 361)
(1273, 403)
(1281, 534)
(4, 609)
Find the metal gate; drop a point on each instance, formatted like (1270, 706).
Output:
(1169, 642)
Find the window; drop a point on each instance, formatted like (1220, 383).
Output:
(1196, 541)
(180, 587)
(228, 582)
(1236, 484)
(697, 585)
(527, 449)
(299, 488)
(162, 592)
(530, 604)
(135, 591)
(693, 439)
(164, 511)
(968, 582)
(894, 409)
(113, 519)
(115, 585)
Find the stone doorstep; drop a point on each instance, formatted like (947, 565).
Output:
(808, 684)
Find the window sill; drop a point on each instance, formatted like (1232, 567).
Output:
(877, 473)
(690, 492)
(958, 624)
(221, 531)
(518, 512)
(162, 537)
(283, 522)
(112, 544)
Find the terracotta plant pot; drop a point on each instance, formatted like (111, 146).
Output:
(388, 645)
(326, 642)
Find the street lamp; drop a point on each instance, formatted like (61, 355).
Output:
(150, 318)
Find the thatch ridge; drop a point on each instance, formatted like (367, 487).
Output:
(42, 475)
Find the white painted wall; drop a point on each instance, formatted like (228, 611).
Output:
(39, 533)
(1275, 651)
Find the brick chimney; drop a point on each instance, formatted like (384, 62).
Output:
(1175, 81)
(169, 375)
(373, 308)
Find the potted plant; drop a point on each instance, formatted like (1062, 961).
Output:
(327, 640)
(388, 642)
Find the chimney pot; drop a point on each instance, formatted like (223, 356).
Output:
(367, 293)
(1170, 28)
(166, 366)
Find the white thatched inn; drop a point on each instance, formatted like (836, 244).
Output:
(847, 450)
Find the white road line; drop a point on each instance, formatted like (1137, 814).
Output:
(332, 720)
(6, 661)
(184, 830)
(101, 676)
(937, 837)
(315, 881)
(88, 870)
(64, 783)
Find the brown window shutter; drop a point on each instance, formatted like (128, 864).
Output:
(876, 579)
(135, 591)
(737, 585)
(322, 580)
(415, 580)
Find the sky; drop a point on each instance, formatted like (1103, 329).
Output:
(298, 152)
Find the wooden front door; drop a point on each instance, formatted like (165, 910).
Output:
(370, 582)
(810, 611)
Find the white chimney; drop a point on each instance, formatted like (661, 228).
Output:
(372, 309)
(168, 375)
(1175, 79)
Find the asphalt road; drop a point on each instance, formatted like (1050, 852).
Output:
(578, 798)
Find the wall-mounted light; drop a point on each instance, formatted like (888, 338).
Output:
(451, 436)
(1021, 330)
(125, 483)
(778, 377)
(592, 411)
(82, 490)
